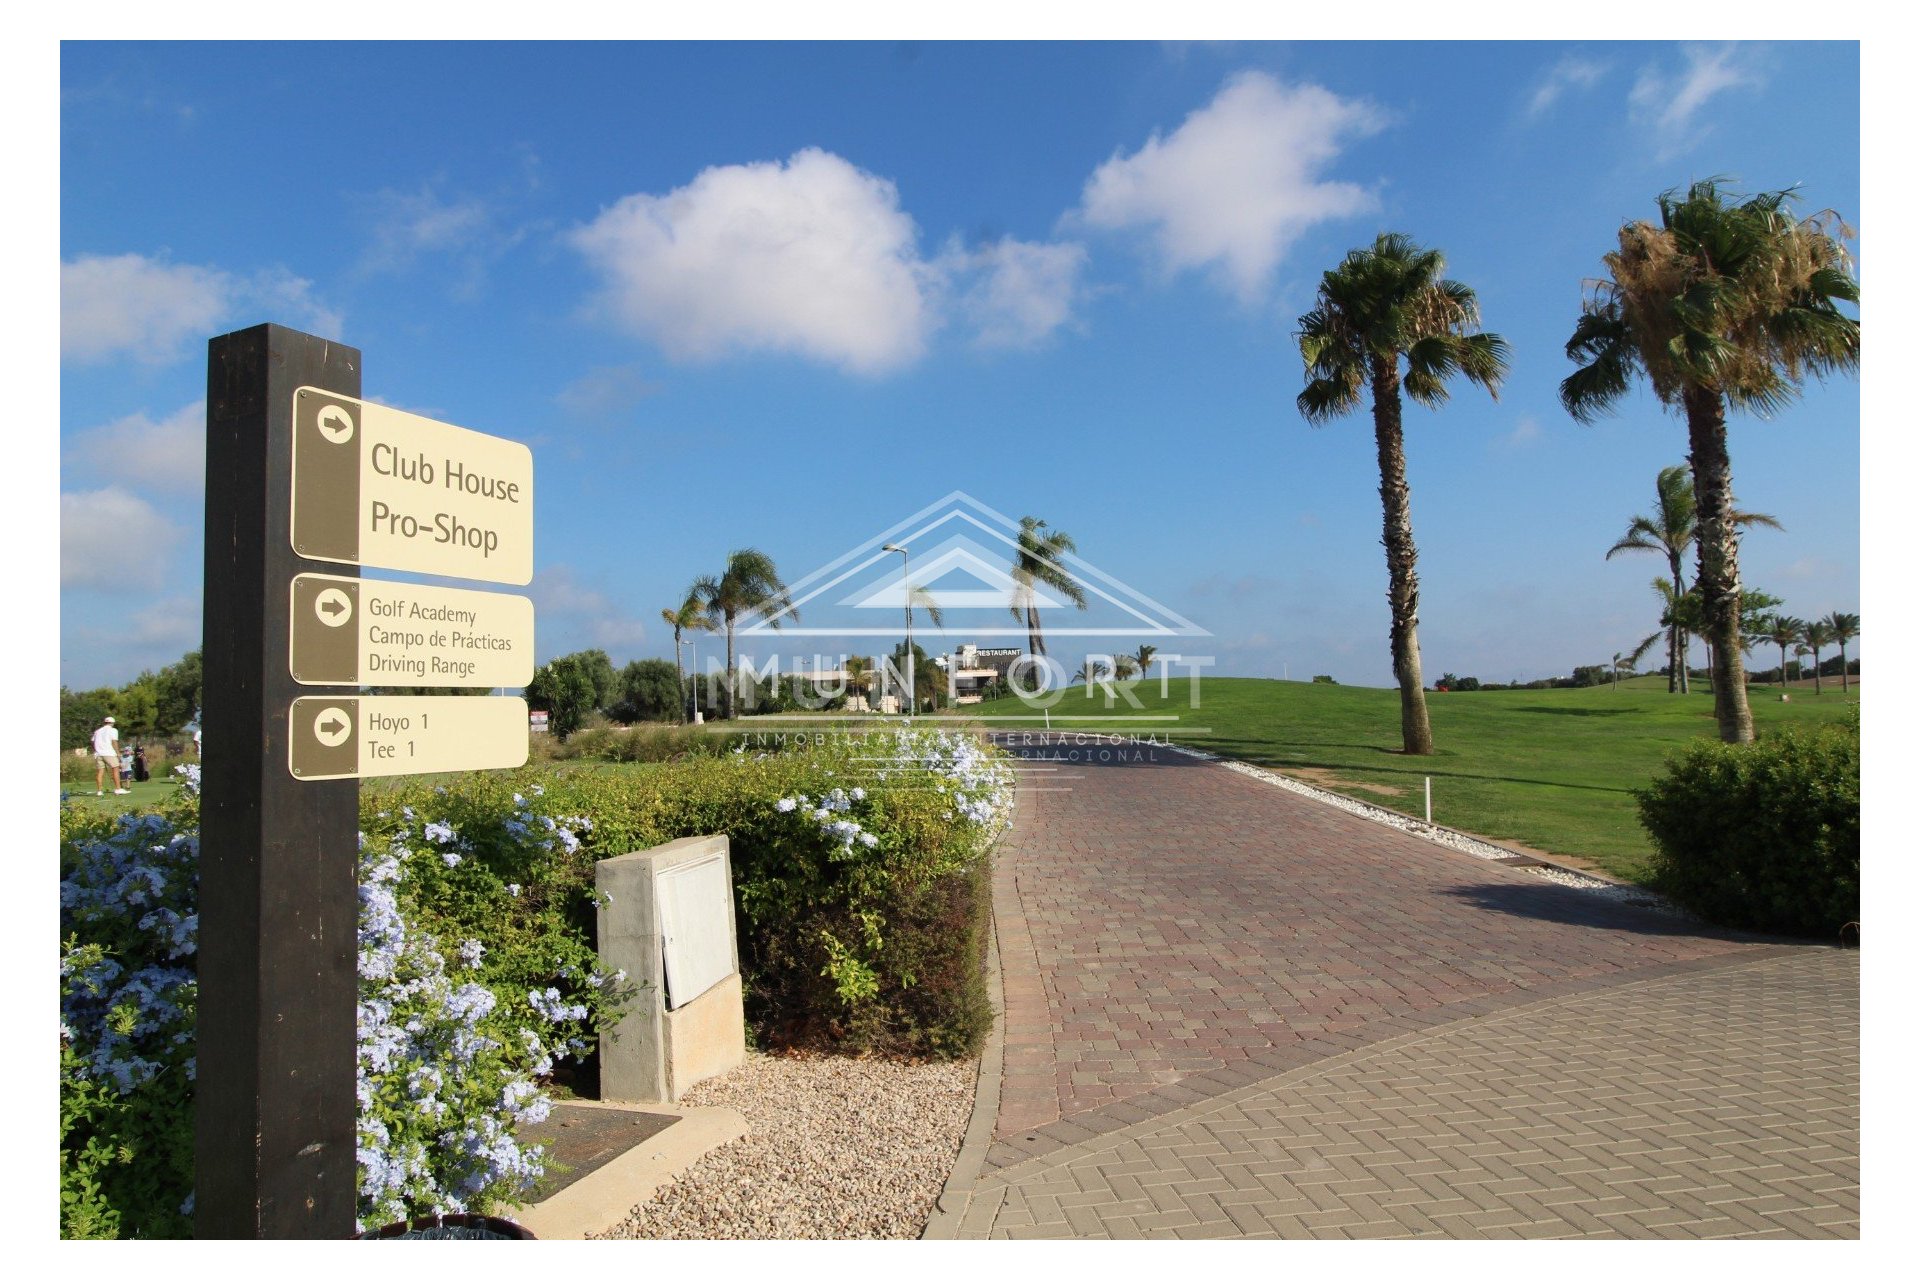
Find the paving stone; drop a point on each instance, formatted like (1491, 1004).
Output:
(1335, 1028)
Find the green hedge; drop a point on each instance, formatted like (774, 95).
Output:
(867, 947)
(1762, 836)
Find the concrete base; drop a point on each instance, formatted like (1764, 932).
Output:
(706, 1037)
(604, 1198)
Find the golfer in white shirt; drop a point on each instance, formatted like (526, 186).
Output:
(106, 755)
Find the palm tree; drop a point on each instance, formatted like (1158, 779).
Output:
(859, 675)
(1627, 662)
(750, 583)
(1843, 627)
(1378, 306)
(1784, 631)
(1721, 305)
(1817, 635)
(1123, 666)
(1669, 530)
(1036, 560)
(690, 616)
(1093, 671)
(1141, 657)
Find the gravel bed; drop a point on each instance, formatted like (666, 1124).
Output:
(1630, 895)
(836, 1149)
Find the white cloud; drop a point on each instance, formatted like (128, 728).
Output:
(113, 540)
(605, 392)
(1524, 433)
(168, 627)
(1668, 103)
(407, 226)
(1021, 292)
(135, 306)
(169, 455)
(811, 256)
(1238, 181)
(153, 311)
(1572, 72)
(577, 616)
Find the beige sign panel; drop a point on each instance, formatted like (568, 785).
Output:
(359, 631)
(377, 737)
(375, 486)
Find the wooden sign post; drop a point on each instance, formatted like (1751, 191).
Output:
(279, 911)
(300, 469)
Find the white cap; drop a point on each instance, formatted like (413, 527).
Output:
(109, 720)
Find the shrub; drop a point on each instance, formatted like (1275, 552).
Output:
(1325, 680)
(1762, 836)
(649, 690)
(447, 1064)
(859, 866)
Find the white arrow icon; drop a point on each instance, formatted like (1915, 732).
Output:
(332, 727)
(335, 423)
(333, 607)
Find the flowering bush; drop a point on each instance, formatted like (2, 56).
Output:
(922, 773)
(450, 1042)
(126, 1032)
(860, 869)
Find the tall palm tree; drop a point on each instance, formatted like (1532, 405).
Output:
(1037, 562)
(749, 583)
(1843, 627)
(1669, 530)
(690, 616)
(1142, 656)
(1817, 635)
(1784, 631)
(1123, 667)
(1722, 305)
(1379, 306)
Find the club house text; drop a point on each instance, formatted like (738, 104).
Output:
(442, 526)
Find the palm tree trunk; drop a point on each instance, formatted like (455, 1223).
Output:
(1036, 643)
(1783, 667)
(1403, 584)
(1676, 634)
(730, 668)
(1843, 668)
(1816, 668)
(1718, 546)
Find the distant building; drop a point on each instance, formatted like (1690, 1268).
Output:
(971, 670)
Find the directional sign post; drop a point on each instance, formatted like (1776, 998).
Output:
(300, 469)
(357, 631)
(375, 486)
(372, 737)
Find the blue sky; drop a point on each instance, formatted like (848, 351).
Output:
(786, 295)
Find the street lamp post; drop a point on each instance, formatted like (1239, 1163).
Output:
(693, 660)
(906, 588)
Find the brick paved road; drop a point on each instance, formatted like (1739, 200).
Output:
(1714, 1104)
(1172, 933)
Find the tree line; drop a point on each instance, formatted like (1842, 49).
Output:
(154, 704)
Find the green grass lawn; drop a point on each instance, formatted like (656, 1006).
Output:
(1554, 769)
(141, 795)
